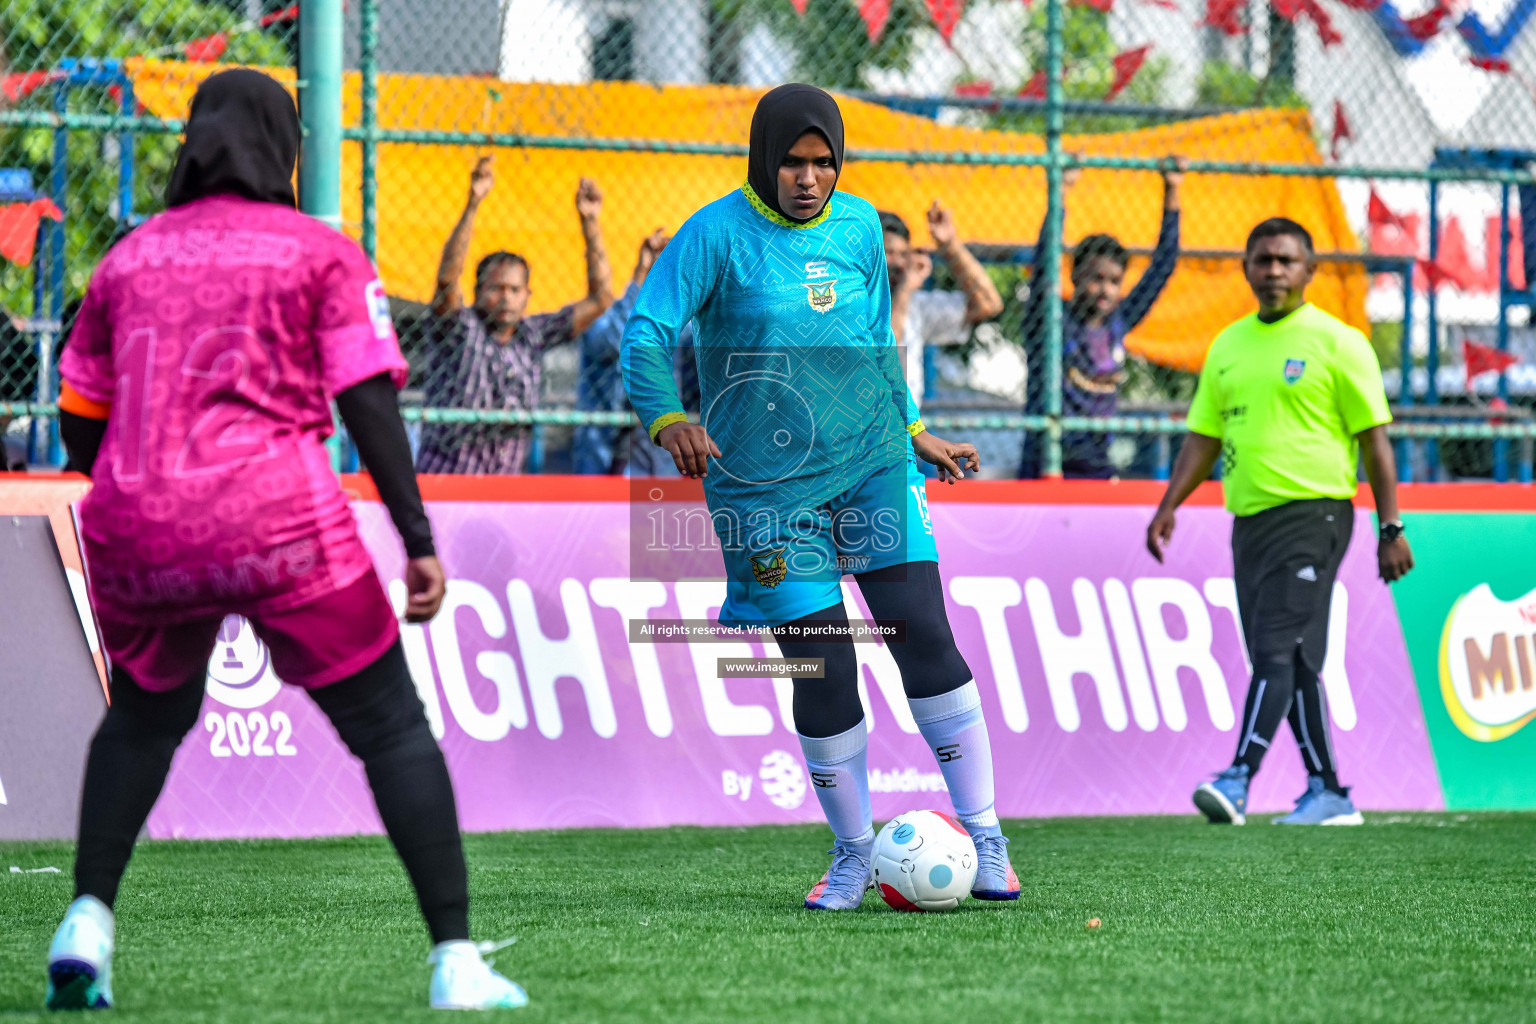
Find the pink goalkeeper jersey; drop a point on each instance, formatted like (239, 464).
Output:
(219, 331)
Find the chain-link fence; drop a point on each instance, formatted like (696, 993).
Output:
(1115, 151)
(85, 156)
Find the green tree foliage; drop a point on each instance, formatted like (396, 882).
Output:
(1228, 85)
(831, 45)
(1088, 54)
(34, 36)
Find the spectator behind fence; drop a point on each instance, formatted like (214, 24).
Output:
(1094, 323)
(489, 356)
(597, 450)
(920, 318)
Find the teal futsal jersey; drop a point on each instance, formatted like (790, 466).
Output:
(801, 384)
(802, 390)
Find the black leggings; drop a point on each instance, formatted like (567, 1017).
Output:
(378, 716)
(930, 662)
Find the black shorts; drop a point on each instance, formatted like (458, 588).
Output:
(1284, 561)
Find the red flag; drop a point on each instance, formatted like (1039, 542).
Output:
(1099, 5)
(980, 88)
(18, 228)
(1126, 65)
(800, 6)
(1226, 16)
(1291, 10)
(946, 15)
(1447, 271)
(1362, 5)
(875, 14)
(207, 49)
(289, 13)
(1034, 89)
(1427, 25)
(1341, 130)
(1326, 31)
(24, 83)
(1482, 359)
(1498, 65)
(1379, 214)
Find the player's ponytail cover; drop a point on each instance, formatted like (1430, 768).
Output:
(242, 139)
(782, 116)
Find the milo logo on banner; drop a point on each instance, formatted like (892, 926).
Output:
(1486, 654)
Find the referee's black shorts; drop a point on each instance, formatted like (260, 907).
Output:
(1284, 561)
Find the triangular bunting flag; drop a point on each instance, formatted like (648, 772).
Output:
(1341, 130)
(18, 228)
(1380, 214)
(207, 49)
(1290, 10)
(1034, 89)
(1498, 65)
(24, 83)
(1226, 16)
(875, 14)
(1126, 65)
(946, 15)
(1485, 359)
(1427, 25)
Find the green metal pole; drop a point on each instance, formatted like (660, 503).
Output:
(1051, 263)
(320, 74)
(368, 65)
(320, 77)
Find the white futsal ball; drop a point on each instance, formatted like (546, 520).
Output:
(924, 860)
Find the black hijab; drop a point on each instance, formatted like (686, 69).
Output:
(782, 116)
(242, 139)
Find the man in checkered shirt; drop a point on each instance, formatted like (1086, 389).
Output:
(489, 355)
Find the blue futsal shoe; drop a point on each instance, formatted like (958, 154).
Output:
(1320, 805)
(995, 879)
(846, 881)
(1224, 800)
(80, 958)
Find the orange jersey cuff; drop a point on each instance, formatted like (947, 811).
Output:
(73, 401)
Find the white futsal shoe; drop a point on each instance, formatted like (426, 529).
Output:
(463, 980)
(80, 958)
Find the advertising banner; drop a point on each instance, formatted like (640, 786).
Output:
(1469, 616)
(50, 694)
(1111, 684)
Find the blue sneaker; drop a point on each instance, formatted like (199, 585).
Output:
(995, 879)
(80, 958)
(1320, 805)
(1224, 800)
(846, 881)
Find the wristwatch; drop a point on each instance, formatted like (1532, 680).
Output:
(1390, 531)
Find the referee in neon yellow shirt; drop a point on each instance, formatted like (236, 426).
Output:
(1287, 399)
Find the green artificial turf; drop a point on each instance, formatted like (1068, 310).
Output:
(1412, 917)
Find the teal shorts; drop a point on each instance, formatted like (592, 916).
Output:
(782, 567)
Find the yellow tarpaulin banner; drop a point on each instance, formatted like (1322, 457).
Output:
(421, 188)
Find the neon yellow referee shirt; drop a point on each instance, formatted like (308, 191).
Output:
(1286, 400)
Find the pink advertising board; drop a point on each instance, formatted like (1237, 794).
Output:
(1112, 685)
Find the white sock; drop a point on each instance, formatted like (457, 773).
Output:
(957, 734)
(454, 947)
(840, 776)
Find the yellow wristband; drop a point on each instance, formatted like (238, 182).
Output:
(916, 427)
(667, 420)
